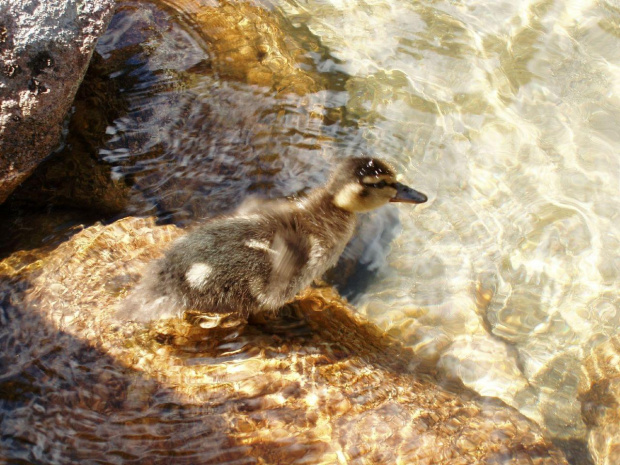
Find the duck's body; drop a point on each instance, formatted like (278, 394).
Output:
(258, 260)
(260, 257)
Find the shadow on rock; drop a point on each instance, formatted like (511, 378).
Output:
(63, 400)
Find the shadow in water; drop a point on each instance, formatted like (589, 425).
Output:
(62, 400)
(65, 400)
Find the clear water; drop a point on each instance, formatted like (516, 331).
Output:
(504, 113)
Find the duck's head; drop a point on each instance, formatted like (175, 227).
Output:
(363, 184)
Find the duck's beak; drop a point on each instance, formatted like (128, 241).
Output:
(407, 195)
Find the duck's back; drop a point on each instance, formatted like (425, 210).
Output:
(236, 263)
(242, 263)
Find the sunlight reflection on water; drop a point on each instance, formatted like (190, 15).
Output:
(500, 112)
(505, 113)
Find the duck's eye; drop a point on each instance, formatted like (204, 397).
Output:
(377, 185)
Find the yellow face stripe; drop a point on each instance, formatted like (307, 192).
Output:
(375, 179)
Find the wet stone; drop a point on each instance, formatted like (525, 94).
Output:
(249, 396)
(41, 73)
(599, 393)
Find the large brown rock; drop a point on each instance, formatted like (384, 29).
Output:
(321, 386)
(45, 48)
(75, 177)
(599, 393)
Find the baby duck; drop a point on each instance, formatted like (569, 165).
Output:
(262, 256)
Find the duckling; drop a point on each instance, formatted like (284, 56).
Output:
(262, 256)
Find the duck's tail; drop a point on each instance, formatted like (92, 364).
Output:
(149, 301)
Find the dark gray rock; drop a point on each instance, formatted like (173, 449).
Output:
(45, 48)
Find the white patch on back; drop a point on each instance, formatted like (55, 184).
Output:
(245, 217)
(258, 245)
(198, 274)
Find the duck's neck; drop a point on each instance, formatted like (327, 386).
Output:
(326, 218)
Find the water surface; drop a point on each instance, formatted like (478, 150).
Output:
(504, 113)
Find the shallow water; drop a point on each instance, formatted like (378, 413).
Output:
(316, 384)
(504, 113)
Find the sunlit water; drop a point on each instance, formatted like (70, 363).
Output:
(505, 113)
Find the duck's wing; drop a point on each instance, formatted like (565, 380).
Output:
(289, 252)
(258, 205)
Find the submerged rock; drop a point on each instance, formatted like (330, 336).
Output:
(247, 43)
(599, 394)
(45, 48)
(214, 89)
(317, 384)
